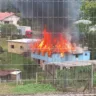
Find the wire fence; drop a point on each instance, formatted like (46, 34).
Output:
(18, 68)
(75, 79)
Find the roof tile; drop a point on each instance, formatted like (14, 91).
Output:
(4, 15)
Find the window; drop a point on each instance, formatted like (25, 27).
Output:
(30, 32)
(85, 54)
(21, 47)
(12, 46)
(6, 22)
(11, 22)
(76, 55)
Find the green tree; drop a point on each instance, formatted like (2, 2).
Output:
(9, 7)
(89, 10)
(30, 68)
(8, 30)
(32, 22)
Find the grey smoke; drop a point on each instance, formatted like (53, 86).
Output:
(56, 14)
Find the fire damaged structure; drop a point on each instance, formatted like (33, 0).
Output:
(60, 40)
(67, 57)
(57, 49)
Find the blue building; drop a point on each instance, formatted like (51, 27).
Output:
(67, 57)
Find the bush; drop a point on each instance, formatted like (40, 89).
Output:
(1, 50)
(8, 30)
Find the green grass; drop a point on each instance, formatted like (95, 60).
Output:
(11, 58)
(94, 80)
(12, 88)
(33, 88)
(4, 43)
(5, 88)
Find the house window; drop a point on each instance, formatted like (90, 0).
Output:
(76, 55)
(6, 22)
(21, 47)
(85, 54)
(11, 22)
(12, 46)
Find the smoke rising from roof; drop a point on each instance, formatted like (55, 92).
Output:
(57, 15)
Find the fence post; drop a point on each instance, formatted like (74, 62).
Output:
(56, 74)
(36, 77)
(92, 77)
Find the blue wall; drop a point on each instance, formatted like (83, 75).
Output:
(67, 57)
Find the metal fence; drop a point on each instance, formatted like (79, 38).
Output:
(57, 16)
(75, 79)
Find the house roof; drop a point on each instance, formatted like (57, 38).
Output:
(4, 15)
(8, 72)
(72, 63)
(24, 40)
(15, 72)
(5, 72)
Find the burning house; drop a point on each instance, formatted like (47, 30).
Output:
(57, 49)
(60, 40)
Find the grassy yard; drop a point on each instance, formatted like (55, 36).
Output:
(33, 88)
(6, 88)
(11, 58)
(3, 43)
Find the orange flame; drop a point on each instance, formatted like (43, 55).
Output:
(51, 45)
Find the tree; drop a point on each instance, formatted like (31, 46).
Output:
(8, 30)
(89, 10)
(30, 68)
(33, 22)
(9, 7)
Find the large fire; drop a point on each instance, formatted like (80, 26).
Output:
(52, 44)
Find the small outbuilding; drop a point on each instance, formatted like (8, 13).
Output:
(10, 75)
(16, 76)
(20, 46)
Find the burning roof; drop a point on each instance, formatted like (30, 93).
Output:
(53, 44)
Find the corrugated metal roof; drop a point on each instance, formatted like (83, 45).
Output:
(5, 72)
(72, 63)
(24, 40)
(8, 72)
(15, 72)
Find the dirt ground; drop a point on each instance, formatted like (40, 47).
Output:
(67, 94)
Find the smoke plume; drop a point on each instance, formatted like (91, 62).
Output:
(57, 15)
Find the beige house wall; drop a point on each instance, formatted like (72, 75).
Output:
(12, 20)
(17, 48)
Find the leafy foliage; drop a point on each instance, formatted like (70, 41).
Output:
(30, 67)
(90, 39)
(75, 75)
(8, 30)
(34, 23)
(89, 10)
(9, 7)
(83, 28)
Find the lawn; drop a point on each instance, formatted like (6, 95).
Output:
(9, 88)
(11, 58)
(3, 43)
(5, 88)
(33, 88)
